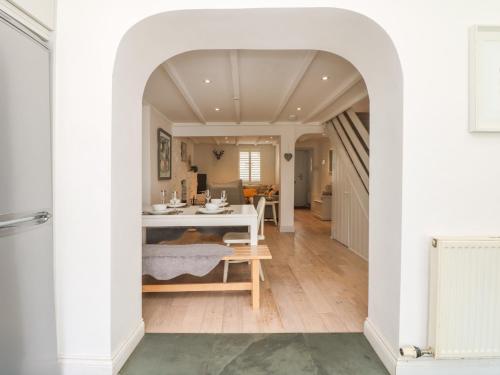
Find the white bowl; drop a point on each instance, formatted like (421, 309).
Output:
(159, 207)
(211, 206)
(216, 201)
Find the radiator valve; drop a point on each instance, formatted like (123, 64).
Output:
(410, 351)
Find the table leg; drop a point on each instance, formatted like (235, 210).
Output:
(254, 233)
(255, 284)
(274, 215)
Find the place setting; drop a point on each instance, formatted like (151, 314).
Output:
(170, 208)
(215, 205)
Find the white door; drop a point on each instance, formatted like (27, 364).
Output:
(302, 169)
(27, 318)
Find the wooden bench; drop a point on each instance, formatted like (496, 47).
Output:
(253, 254)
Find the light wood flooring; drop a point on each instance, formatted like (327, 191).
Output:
(312, 284)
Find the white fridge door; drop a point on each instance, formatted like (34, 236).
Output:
(27, 320)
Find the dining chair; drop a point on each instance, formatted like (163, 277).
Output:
(231, 238)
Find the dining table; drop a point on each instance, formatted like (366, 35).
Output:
(195, 216)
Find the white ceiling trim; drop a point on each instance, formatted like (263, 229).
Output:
(288, 123)
(235, 74)
(349, 83)
(306, 63)
(179, 84)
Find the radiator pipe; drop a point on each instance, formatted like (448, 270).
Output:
(413, 352)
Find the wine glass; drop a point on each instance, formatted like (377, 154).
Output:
(207, 196)
(223, 197)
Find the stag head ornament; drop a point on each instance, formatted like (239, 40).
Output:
(218, 153)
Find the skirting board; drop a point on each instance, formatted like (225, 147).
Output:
(396, 365)
(381, 347)
(81, 365)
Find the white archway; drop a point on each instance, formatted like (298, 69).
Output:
(348, 34)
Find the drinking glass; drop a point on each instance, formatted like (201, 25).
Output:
(223, 196)
(207, 196)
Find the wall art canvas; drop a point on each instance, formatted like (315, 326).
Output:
(164, 155)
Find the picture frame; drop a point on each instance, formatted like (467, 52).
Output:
(184, 155)
(330, 161)
(164, 155)
(484, 79)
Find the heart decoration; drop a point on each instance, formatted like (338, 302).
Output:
(288, 156)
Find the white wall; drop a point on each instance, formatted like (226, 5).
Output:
(228, 168)
(153, 120)
(409, 201)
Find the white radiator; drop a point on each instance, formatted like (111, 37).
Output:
(464, 306)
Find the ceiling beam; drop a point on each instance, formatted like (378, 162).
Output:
(235, 74)
(306, 63)
(357, 93)
(350, 82)
(174, 75)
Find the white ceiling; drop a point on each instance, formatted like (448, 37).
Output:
(250, 86)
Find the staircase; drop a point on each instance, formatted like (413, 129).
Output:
(349, 136)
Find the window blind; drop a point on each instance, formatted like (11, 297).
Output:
(250, 166)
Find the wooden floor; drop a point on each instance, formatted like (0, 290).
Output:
(313, 284)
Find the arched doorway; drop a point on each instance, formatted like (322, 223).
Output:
(348, 34)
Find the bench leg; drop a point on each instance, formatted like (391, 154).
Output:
(255, 284)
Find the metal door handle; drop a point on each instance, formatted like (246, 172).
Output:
(13, 220)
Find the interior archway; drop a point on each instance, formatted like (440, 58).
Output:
(343, 32)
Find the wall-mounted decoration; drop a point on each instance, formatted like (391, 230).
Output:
(184, 151)
(164, 155)
(484, 79)
(330, 161)
(288, 156)
(218, 153)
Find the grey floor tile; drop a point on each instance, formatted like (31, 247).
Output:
(253, 354)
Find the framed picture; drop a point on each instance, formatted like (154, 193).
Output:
(484, 79)
(164, 155)
(184, 151)
(330, 161)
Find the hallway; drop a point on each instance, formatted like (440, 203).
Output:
(313, 284)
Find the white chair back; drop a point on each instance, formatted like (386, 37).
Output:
(261, 207)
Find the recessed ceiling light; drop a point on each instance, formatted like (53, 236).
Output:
(299, 108)
(207, 81)
(324, 78)
(217, 109)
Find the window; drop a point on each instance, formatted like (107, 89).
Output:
(250, 166)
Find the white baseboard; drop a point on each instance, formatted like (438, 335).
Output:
(87, 365)
(381, 347)
(287, 228)
(121, 355)
(396, 365)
